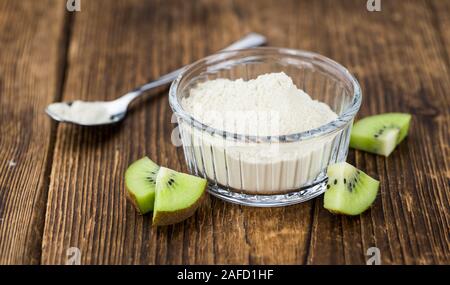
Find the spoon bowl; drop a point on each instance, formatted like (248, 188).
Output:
(88, 113)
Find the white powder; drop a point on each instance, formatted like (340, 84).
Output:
(268, 105)
(86, 113)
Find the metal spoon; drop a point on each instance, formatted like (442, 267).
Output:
(108, 112)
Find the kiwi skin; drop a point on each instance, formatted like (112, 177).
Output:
(165, 218)
(132, 198)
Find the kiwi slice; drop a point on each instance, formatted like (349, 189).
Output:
(380, 134)
(177, 196)
(140, 182)
(349, 190)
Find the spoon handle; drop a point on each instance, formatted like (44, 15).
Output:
(250, 40)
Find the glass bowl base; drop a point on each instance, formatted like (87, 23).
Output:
(314, 189)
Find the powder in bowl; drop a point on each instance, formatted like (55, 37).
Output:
(271, 105)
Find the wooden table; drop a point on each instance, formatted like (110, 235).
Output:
(62, 186)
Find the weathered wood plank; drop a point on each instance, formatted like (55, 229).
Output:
(131, 43)
(31, 62)
(397, 56)
(441, 22)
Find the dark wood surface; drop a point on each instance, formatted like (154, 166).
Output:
(61, 186)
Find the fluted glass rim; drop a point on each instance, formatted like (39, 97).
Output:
(336, 125)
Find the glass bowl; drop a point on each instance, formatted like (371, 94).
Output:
(268, 171)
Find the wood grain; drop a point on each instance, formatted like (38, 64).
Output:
(441, 22)
(87, 207)
(399, 55)
(31, 63)
(398, 58)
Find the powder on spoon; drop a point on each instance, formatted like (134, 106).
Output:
(85, 113)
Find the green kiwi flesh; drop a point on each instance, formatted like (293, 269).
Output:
(177, 196)
(140, 182)
(380, 134)
(349, 190)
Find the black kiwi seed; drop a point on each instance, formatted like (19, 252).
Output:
(328, 186)
(335, 181)
(376, 135)
(345, 181)
(171, 181)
